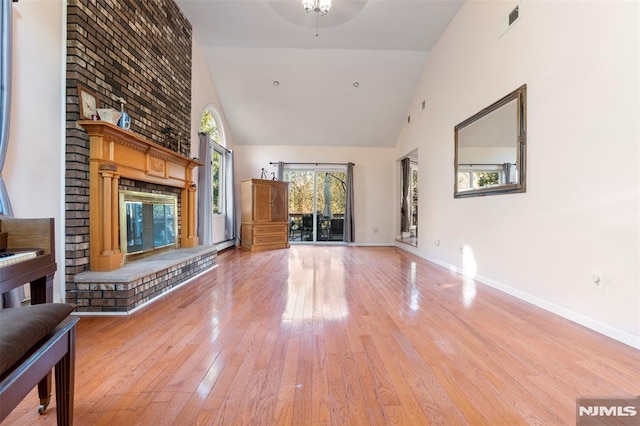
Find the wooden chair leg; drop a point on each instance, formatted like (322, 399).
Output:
(42, 292)
(65, 379)
(44, 393)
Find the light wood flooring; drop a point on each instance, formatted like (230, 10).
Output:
(318, 335)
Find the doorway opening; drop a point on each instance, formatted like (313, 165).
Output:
(409, 174)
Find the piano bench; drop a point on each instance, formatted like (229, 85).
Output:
(33, 341)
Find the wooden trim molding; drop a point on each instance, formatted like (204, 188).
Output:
(117, 153)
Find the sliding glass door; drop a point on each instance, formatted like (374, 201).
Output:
(316, 204)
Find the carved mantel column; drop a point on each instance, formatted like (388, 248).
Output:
(189, 209)
(108, 200)
(117, 153)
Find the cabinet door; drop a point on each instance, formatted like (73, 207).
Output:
(279, 203)
(261, 202)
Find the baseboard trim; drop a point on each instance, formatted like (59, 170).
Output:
(223, 245)
(597, 326)
(370, 244)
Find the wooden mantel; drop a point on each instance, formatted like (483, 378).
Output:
(117, 153)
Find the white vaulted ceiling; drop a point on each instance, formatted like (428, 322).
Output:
(380, 44)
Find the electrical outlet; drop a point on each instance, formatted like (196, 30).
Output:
(596, 282)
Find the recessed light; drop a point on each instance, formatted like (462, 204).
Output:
(276, 83)
(356, 84)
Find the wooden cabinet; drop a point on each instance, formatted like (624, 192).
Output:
(265, 214)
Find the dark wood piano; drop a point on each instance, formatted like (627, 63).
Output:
(27, 255)
(31, 243)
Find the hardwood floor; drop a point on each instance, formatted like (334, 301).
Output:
(338, 335)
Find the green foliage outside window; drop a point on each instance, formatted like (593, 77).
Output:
(301, 191)
(486, 179)
(215, 181)
(209, 125)
(414, 190)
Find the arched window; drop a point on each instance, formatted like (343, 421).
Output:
(210, 125)
(216, 207)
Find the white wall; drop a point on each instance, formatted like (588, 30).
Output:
(203, 94)
(35, 159)
(580, 214)
(373, 179)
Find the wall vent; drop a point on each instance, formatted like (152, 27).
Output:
(513, 16)
(508, 21)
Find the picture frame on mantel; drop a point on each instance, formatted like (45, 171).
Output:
(88, 102)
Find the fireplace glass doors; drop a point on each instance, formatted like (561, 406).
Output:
(149, 222)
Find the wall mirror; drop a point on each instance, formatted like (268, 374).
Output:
(490, 148)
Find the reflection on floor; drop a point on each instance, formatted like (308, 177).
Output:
(318, 335)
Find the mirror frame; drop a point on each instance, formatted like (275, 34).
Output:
(520, 95)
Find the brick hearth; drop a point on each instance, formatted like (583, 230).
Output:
(128, 288)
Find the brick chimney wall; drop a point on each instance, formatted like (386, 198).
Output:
(139, 50)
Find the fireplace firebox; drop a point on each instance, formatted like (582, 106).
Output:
(149, 222)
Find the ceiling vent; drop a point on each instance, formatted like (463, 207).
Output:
(508, 21)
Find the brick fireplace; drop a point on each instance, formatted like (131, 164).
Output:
(139, 50)
(120, 155)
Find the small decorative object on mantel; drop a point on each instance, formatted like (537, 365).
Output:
(88, 103)
(173, 140)
(125, 120)
(109, 115)
(167, 131)
(179, 142)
